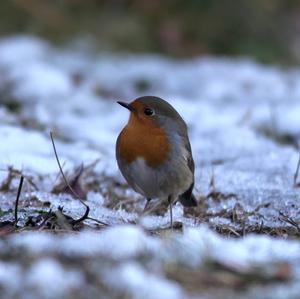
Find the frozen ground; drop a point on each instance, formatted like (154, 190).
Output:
(244, 121)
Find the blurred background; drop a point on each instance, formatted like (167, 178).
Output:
(267, 30)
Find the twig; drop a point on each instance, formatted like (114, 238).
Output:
(85, 216)
(98, 221)
(212, 183)
(61, 170)
(57, 176)
(233, 231)
(17, 199)
(46, 218)
(68, 185)
(290, 221)
(297, 172)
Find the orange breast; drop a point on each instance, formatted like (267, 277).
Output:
(143, 140)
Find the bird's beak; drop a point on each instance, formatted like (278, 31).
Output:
(126, 105)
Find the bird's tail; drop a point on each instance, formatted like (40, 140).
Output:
(188, 202)
(187, 199)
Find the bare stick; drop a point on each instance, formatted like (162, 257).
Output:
(98, 221)
(17, 199)
(67, 183)
(60, 168)
(47, 217)
(289, 220)
(297, 171)
(85, 216)
(212, 183)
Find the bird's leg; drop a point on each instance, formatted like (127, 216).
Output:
(171, 212)
(147, 204)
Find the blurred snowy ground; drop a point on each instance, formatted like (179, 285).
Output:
(244, 121)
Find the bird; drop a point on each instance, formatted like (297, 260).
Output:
(154, 154)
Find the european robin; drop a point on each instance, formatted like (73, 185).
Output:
(154, 153)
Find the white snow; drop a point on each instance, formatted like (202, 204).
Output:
(139, 284)
(230, 106)
(10, 276)
(48, 279)
(129, 261)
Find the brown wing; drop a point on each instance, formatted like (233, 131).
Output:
(187, 199)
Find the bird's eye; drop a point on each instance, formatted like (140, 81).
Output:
(148, 111)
